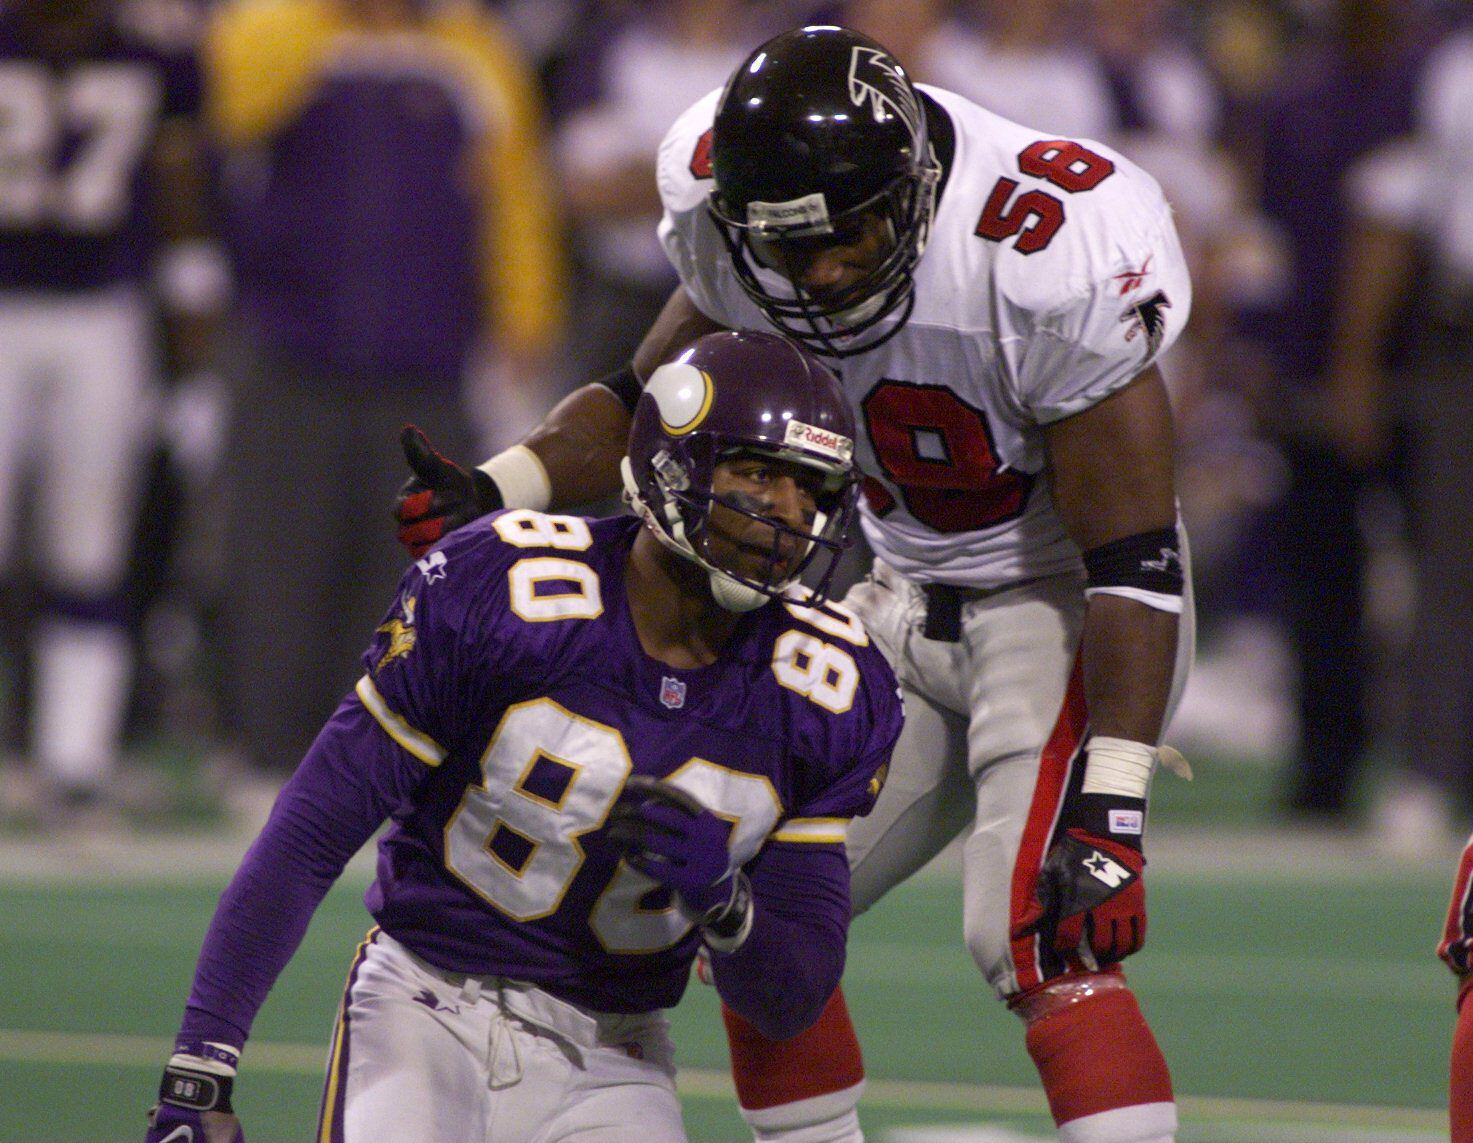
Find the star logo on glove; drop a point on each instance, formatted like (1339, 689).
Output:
(1102, 868)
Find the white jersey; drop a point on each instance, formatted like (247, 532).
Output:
(1053, 276)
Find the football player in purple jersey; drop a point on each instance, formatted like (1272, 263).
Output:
(602, 745)
(102, 218)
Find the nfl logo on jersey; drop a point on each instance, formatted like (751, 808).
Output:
(672, 693)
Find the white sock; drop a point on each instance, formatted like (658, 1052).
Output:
(81, 687)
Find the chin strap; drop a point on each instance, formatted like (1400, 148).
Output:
(732, 594)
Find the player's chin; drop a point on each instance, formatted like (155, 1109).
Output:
(771, 570)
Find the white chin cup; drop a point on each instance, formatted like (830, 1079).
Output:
(732, 595)
(860, 313)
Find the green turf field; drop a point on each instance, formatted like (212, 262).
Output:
(1296, 1000)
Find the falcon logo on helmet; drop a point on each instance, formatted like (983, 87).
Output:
(876, 78)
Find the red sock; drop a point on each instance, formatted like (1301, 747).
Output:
(1098, 1055)
(820, 1061)
(1460, 1102)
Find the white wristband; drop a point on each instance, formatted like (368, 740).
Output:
(521, 478)
(1118, 766)
(217, 1063)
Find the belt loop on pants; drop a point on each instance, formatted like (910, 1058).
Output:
(943, 612)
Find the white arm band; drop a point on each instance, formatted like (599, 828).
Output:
(1122, 767)
(520, 476)
(1118, 766)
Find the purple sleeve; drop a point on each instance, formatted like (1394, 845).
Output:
(790, 964)
(351, 779)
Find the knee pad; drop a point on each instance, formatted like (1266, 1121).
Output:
(1105, 1076)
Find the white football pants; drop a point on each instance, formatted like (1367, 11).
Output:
(78, 397)
(440, 1058)
(993, 724)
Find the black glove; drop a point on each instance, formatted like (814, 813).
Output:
(667, 834)
(440, 496)
(1090, 889)
(194, 1104)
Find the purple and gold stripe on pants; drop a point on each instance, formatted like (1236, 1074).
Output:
(330, 1118)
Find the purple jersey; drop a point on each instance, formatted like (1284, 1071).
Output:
(381, 147)
(76, 131)
(1326, 114)
(510, 671)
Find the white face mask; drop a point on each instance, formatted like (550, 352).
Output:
(730, 594)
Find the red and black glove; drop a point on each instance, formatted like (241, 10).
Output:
(1090, 888)
(440, 496)
(1456, 945)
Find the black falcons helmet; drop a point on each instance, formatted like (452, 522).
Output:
(818, 127)
(741, 392)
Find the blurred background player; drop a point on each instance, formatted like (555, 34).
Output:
(648, 69)
(395, 247)
(102, 218)
(548, 695)
(1338, 100)
(1029, 584)
(1402, 363)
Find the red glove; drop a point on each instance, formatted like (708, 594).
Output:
(1456, 946)
(440, 496)
(1090, 889)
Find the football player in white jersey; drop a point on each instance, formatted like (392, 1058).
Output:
(994, 301)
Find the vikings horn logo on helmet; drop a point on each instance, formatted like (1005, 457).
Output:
(682, 395)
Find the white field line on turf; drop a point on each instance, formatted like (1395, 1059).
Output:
(121, 858)
(88, 1048)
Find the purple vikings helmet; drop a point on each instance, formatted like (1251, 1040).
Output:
(817, 128)
(731, 393)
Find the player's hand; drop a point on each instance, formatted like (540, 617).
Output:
(194, 1097)
(440, 496)
(1090, 889)
(170, 1124)
(1456, 946)
(667, 834)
